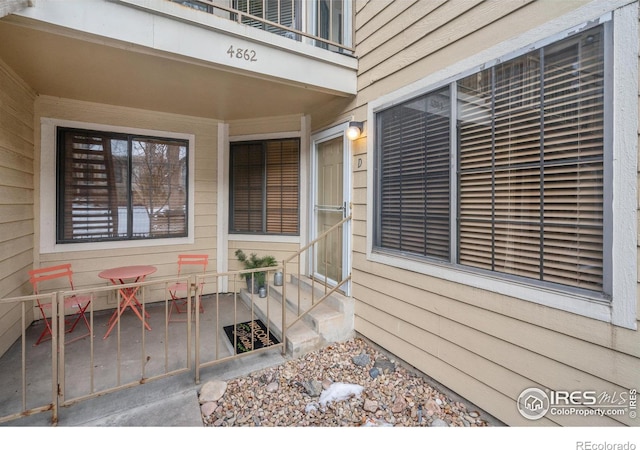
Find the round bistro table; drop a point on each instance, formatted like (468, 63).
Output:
(125, 276)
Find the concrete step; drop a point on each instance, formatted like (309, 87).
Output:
(301, 338)
(332, 318)
(337, 300)
(330, 321)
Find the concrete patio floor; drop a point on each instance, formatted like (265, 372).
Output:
(170, 401)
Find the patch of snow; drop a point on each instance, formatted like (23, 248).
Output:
(376, 423)
(311, 407)
(340, 391)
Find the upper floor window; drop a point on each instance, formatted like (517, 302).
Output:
(526, 139)
(265, 180)
(115, 186)
(284, 12)
(333, 22)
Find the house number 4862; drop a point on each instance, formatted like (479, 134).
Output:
(242, 53)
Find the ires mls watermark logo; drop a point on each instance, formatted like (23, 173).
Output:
(534, 403)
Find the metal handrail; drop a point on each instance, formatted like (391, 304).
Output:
(316, 240)
(314, 304)
(334, 289)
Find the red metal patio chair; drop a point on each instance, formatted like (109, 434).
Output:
(81, 302)
(177, 290)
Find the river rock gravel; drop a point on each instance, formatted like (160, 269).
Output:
(289, 394)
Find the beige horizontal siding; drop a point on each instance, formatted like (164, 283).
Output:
(279, 250)
(417, 35)
(485, 346)
(555, 346)
(463, 35)
(373, 21)
(516, 368)
(265, 125)
(16, 198)
(468, 386)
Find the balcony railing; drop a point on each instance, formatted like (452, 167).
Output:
(323, 23)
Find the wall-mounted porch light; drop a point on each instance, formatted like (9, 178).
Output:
(354, 130)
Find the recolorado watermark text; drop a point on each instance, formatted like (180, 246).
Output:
(588, 445)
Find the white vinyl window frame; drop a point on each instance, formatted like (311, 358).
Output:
(269, 212)
(224, 179)
(621, 116)
(346, 22)
(48, 188)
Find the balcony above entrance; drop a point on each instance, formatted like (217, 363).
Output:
(203, 63)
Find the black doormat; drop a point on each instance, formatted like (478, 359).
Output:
(250, 335)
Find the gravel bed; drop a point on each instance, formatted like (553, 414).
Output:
(343, 385)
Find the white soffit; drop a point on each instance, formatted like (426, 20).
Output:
(159, 26)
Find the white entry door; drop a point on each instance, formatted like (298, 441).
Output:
(331, 203)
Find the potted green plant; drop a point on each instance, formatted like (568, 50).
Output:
(254, 262)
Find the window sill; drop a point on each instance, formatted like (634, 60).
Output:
(264, 238)
(112, 245)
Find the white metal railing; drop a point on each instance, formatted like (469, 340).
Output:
(332, 27)
(84, 364)
(19, 371)
(238, 310)
(96, 364)
(326, 290)
(122, 360)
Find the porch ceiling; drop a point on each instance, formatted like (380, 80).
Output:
(57, 64)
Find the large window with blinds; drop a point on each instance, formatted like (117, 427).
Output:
(264, 192)
(114, 186)
(503, 169)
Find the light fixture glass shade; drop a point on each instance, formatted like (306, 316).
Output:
(354, 130)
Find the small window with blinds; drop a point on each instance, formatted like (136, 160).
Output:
(529, 154)
(264, 192)
(114, 187)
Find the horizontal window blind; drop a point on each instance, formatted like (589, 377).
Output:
(530, 137)
(88, 208)
(413, 177)
(284, 12)
(529, 154)
(247, 166)
(117, 187)
(265, 180)
(282, 160)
